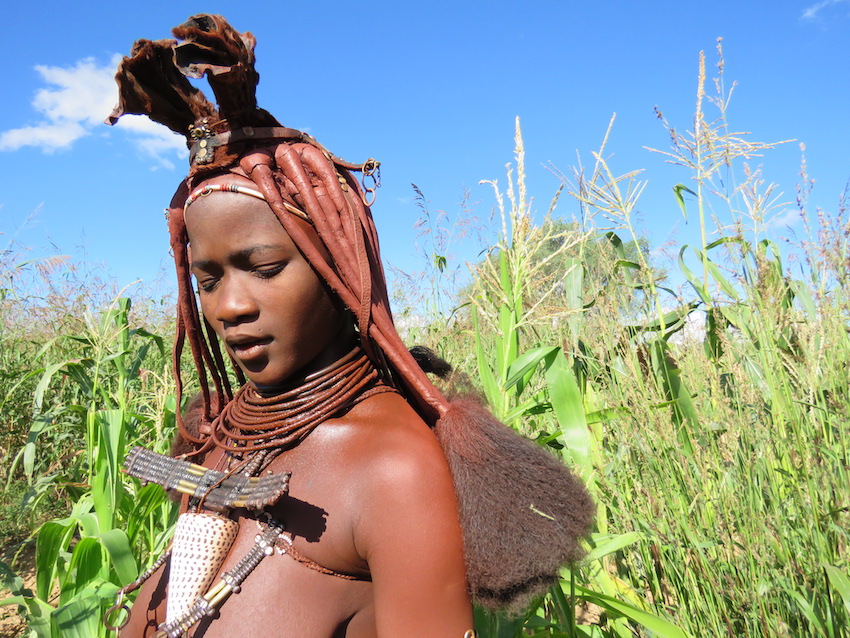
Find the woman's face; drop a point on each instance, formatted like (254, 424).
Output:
(258, 292)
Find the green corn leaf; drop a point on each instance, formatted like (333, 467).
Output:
(531, 407)
(714, 271)
(39, 424)
(565, 609)
(657, 625)
(738, 315)
(697, 284)
(485, 374)
(573, 285)
(157, 339)
(568, 406)
(840, 583)
(669, 322)
(507, 349)
(146, 501)
(743, 243)
(605, 544)
(10, 393)
(117, 544)
(112, 425)
(89, 524)
(80, 618)
(725, 285)
(79, 372)
(803, 294)
(86, 567)
(625, 263)
(43, 383)
(527, 362)
(713, 329)
(13, 600)
(617, 243)
(53, 537)
(604, 415)
(684, 412)
(102, 497)
(138, 359)
(678, 189)
(808, 611)
(11, 581)
(37, 613)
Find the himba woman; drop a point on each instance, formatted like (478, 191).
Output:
(337, 492)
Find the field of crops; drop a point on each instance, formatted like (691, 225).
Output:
(710, 425)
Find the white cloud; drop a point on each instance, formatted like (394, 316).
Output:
(784, 219)
(73, 105)
(811, 12)
(49, 137)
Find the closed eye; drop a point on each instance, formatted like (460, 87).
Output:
(207, 284)
(268, 272)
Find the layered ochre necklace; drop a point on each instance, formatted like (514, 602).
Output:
(252, 430)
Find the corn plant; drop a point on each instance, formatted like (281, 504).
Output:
(82, 559)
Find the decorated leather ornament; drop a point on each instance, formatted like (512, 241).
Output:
(523, 513)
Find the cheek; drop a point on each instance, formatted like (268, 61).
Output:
(322, 312)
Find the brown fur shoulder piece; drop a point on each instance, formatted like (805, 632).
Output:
(522, 511)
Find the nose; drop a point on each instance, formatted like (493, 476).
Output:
(234, 303)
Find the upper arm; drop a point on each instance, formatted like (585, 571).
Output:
(408, 531)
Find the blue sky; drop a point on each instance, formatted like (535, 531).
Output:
(431, 90)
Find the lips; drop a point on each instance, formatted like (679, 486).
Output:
(248, 348)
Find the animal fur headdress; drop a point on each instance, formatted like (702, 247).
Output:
(503, 482)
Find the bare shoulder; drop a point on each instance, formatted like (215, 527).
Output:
(381, 475)
(387, 445)
(390, 462)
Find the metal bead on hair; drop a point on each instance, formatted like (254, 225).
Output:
(206, 189)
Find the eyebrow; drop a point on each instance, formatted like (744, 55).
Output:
(239, 255)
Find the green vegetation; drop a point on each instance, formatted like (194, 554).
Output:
(718, 457)
(92, 387)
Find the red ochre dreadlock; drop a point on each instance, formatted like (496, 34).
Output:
(522, 512)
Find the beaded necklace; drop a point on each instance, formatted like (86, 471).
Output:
(253, 422)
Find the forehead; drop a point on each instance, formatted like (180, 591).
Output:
(227, 218)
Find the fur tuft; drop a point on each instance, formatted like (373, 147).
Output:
(430, 362)
(522, 512)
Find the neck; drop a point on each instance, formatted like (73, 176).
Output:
(253, 421)
(300, 378)
(341, 350)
